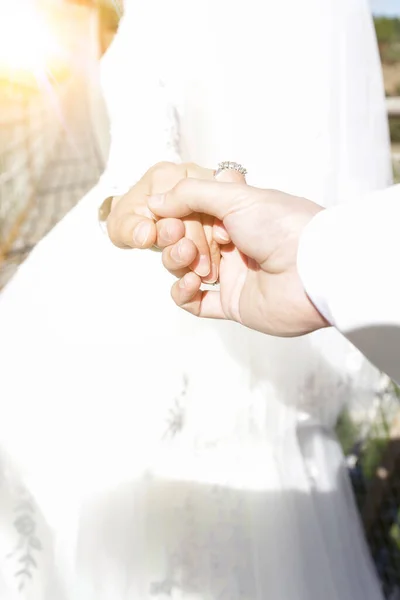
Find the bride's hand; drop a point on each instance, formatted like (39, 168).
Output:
(131, 224)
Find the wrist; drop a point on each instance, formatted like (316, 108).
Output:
(314, 318)
(305, 314)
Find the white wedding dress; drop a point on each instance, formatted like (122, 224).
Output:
(149, 455)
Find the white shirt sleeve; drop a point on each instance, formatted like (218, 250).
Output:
(349, 263)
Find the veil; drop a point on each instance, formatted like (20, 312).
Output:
(164, 456)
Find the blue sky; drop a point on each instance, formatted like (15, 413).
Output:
(385, 7)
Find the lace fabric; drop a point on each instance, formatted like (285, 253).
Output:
(169, 457)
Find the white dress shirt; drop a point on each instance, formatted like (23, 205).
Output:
(349, 261)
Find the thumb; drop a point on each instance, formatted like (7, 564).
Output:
(218, 199)
(219, 232)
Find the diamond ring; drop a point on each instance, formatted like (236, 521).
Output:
(230, 166)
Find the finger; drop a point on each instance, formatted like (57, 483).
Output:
(187, 294)
(230, 176)
(194, 231)
(179, 257)
(163, 176)
(194, 195)
(132, 231)
(214, 249)
(194, 171)
(167, 175)
(169, 232)
(129, 212)
(126, 213)
(220, 234)
(214, 228)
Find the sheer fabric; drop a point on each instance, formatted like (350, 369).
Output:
(150, 455)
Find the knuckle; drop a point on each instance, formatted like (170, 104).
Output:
(183, 186)
(164, 164)
(163, 169)
(164, 174)
(119, 230)
(240, 194)
(190, 168)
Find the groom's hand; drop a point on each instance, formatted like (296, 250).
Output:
(131, 224)
(259, 283)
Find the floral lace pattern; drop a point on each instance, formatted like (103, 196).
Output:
(28, 543)
(205, 553)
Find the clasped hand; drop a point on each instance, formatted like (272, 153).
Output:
(244, 237)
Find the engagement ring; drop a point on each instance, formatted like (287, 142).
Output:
(230, 166)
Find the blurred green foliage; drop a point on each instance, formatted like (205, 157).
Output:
(373, 446)
(373, 451)
(388, 34)
(394, 124)
(347, 432)
(387, 30)
(395, 533)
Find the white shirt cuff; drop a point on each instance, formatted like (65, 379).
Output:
(314, 261)
(348, 261)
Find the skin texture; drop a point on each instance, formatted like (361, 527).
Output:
(244, 238)
(131, 224)
(259, 283)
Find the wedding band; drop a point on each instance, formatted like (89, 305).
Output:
(230, 166)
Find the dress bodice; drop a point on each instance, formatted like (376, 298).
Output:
(207, 99)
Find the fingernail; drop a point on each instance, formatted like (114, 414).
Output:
(166, 233)
(222, 234)
(142, 233)
(213, 276)
(203, 268)
(176, 252)
(156, 201)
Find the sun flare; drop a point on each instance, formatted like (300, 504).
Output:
(26, 41)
